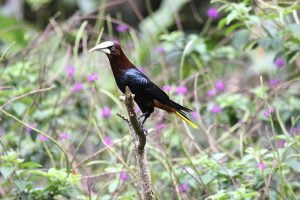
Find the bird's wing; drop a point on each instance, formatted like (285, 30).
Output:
(141, 84)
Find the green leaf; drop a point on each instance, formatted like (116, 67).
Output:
(265, 43)
(6, 171)
(19, 108)
(259, 91)
(295, 29)
(113, 185)
(240, 38)
(294, 164)
(21, 185)
(30, 165)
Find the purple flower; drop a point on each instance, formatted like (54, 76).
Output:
(29, 129)
(167, 88)
(1, 132)
(78, 86)
(219, 85)
(122, 28)
(64, 136)
(273, 83)
(281, 143)
(181, 90)
(159, 49)
(216, 109)
(211, 92)
(92, 77)
(213, 13)
(105, 112)
(160, 127)
(242, 122)
(142, 69)
(195, 115)
(183, 187)
(130, 45)
(261, 165)
(297, 129)
(107, 141)
(279, 62)
(268, 112)
(124, 176)
(271, 109)
(70, 71)
(42, 138)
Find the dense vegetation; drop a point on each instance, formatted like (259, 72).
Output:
(61, 136)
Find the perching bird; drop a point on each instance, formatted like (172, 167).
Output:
(147, 95)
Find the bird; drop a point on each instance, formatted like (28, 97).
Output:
(147, 94)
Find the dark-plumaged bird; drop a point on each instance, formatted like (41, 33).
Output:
(147, 95)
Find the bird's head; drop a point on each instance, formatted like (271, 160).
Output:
(109, 48)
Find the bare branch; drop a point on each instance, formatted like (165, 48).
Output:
(26, 94)
(139, 139)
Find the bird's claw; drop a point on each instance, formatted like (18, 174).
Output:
(145, 132)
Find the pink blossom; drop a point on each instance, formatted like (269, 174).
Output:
(124, 176)
(167, 88)
(273, 83)
(181, 90)
(219, 85)
(160, 127)
(130, 45)
(281, 143)
(122, 28)
(1, 132)
(107, 141)
(261, 165)
(29, 129)
(78, 86)
(195, 115)
(159, 49)
(142, 69)
(297, 129)
(279, 62)
(105, 112)
(183, 187)
(211, 92)
(213, 13)
(268, 112)
(64, 136)
(70, 71)
(92, 77)
(216, 109)
(42, 138)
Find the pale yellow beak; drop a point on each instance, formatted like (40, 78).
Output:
(104, 47)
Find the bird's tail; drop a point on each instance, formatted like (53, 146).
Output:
(183, 116)
(180, 107)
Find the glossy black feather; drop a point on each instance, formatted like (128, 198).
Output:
(140, 84)
(146, 91)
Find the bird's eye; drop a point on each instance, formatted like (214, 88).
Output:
(112, 48)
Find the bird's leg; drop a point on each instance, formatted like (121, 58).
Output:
(143, 115)
(147, 114)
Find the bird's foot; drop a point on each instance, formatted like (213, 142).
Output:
(145, 131)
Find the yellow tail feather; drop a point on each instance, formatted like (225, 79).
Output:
(186, 120)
